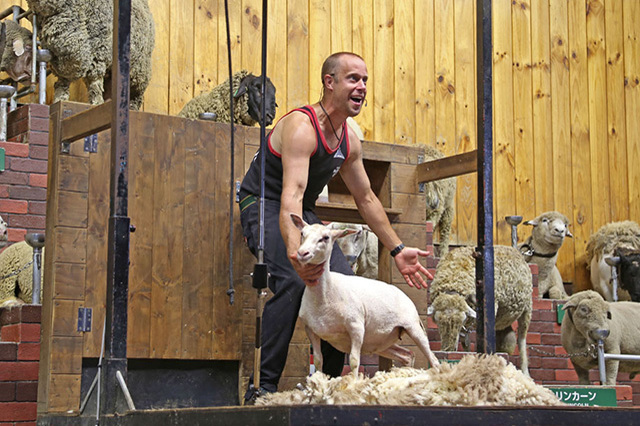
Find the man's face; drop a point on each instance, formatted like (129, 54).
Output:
(350, 85)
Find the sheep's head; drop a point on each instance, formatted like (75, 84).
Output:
(588, 312)
(252, 86)
(451, 312)
(352, 245)
(630, 271)
(3, 232)
(15, 50)
(550, 228)
(316, 241)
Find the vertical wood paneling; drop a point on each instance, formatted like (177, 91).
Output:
(383, 71)
(580, 143)
(341, 38)
(465, 222)
(600, 191)
(631, 13)
(277, 49)
(504, 169)
(616, 126)
(181, 51)
(297, 57)
(522, 109)
(363, 46)
(541, 107)
(445, 76)
(561, 122)
(156, 97)
(235, 36)
(425, 72)
(319, 44)
(404, 80)
(251, 45)
(205, 45)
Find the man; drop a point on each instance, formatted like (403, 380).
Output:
(306, 148)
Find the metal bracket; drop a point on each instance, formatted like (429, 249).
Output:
(91, 143)
(84, 319)
(238, 191)
(65, 147)
(421, 185)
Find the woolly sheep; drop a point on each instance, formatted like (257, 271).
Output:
(354, 314)
(629, 277)
(602, 244)
(360, 248)
(475, 380)
(541, 248)
(440, 196)
(15, 51)
(452, 295)
(16, 275)
(79, 36)
(247, 101)
(587, 312)
(3, 233)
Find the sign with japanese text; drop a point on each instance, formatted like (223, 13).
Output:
(593, 397)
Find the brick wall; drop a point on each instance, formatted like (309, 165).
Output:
(23, 183)
(19, 359)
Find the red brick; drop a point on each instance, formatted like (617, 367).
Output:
(39, 124)
(38, 138)
(534, 268)
(7, 391)
(27, 193)
(13, 178)
(10, 333)
(30, 313)
(38, 180)
(27, 391)
(29, 352)
(39, 110)
(8, 351)
(429, 227)
(533, 338)
(37, 207)
(21, 333)
(16, 371)
(544, 304)
(18, 411)
(14, 149)
(14, 206)
(17, 126)
(28, 165)
(556, 363)
(566, 375)
(38, 152)
(20, 113)
(9, 316)
(4, 191)
(15, 235)
(28, 221)
(543, 375)
(551, 339)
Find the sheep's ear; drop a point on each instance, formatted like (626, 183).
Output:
(297, 221)
(569, 305)
(532, 222)
(339, 233)
(608, 314)
(18, 47)
(242, 89)
(471, 313)
(569, 234)
(3, 37)
(430, 310)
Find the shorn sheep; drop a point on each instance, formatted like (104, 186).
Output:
(602, 244)
(79, 36)
(360, 248)
(587, 312)
(541, 248)
(356, 315)
(440, 196)
(475, 380)
(16, 275)
(247, 104)
(453, 302)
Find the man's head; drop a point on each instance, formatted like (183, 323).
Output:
(344, 82)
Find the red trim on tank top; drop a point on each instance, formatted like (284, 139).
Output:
(315, 125)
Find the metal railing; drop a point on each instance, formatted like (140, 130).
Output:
(602, 356)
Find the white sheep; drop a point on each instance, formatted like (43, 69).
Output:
(452, 294)
(360, 248)
(79, 36)
(247, 104)
(475, 380)
(441, 195)
(16, 274)
(356, 315)
(602, 244)
(541, 248)
(587, 312)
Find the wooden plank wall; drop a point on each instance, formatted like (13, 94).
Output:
(566, 92)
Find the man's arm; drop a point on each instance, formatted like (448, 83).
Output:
(372, 211)
(296, 141)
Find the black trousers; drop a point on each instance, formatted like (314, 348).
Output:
(281, 311)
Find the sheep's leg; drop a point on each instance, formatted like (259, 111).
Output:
(61, 90)
(356, 334)
(418, 335)
(523, 327)
(400, 354)
(612, 372)
(317, 351)
(583, 374)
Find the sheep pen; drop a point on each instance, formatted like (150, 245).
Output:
(247, 106)
(452, 295)
(475, 380)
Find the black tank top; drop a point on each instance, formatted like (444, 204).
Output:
(324, 163)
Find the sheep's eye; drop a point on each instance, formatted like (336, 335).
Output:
(325, 238)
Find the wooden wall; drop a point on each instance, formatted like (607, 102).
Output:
(566, 90)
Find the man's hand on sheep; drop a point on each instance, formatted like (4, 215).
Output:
(410, 267)
(310, 273)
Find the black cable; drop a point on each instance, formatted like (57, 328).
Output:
(232, 194)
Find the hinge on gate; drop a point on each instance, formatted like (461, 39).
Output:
(91, 143)
(421, 184)
(84, 319)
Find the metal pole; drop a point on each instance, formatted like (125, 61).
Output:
(119, 223)
(44, 56)
(485, 330)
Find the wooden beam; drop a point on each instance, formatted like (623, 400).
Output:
(86, 123)
(454, 165)
(339, 212)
